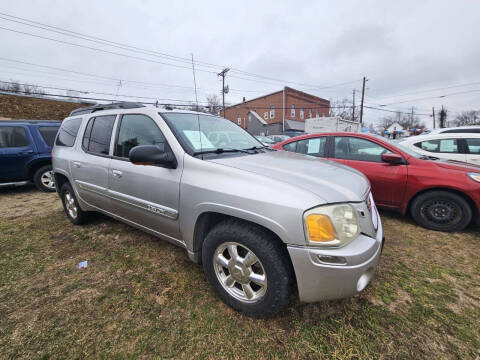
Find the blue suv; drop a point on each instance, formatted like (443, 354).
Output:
(25, 148)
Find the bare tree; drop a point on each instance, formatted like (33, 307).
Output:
(213, 104)
(344, 109)
(405, 120)
(471, 117)
(15, 87)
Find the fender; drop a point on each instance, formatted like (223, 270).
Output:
(188, 225)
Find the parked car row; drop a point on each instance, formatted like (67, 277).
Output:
(260, 217)
(440, 195)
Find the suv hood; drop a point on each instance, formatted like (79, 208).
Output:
(328, 180)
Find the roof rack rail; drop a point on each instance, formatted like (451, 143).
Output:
(99, 107)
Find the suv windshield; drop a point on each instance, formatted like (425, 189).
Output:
(207, 133)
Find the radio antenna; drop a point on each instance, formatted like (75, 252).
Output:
(196, 100)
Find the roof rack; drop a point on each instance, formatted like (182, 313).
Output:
(99, 107)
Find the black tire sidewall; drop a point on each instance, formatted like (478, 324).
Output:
(273, 258)
(460, 202)
(81, 216)
(37, 178)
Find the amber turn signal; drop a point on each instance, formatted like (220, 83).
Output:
(320, 228)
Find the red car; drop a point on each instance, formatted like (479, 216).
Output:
(440, 195)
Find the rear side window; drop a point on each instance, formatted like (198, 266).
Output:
(137, 130)
(313, 147)
(13, 136)
(473, 146)
(98, 134)
(440, 146)
(48, 134)
(351, 148)
(68, 132)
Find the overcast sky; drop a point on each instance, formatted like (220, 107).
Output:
(402, 47)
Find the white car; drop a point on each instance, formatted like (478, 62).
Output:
(451, 146)
(475, 129)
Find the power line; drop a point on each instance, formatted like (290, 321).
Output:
(102, 50)
(115, 80)
(97, 40)
(92, 92)
(393, 111)
(429, 90)
(137, 49)
(431, 97)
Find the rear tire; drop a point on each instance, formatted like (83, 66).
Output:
(44, 179)
(70, 204)
(247, 268)
(441, 211)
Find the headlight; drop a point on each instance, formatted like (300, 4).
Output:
(474, 176)
(331, 225)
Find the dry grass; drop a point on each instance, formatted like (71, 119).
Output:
(141, 298)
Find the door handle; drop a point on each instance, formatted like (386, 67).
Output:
(77, 164)
(117, 173)
(26, 152)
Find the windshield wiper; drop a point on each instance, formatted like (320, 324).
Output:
(220, 151)
(427, 157)
(256, 148)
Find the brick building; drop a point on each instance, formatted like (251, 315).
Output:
(273, 113)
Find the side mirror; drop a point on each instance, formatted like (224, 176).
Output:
(392, 158)
(153, 155)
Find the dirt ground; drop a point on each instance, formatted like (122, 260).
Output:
(140, 297)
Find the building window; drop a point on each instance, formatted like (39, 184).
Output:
(301, 113)
(292, 112)
(317, 114)
(265, 115)
(309, 113)
(239, 120)
(272, 112)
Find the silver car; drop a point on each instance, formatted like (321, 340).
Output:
(262, 222)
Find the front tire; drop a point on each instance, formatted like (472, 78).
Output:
(247, 268)
(70, 204)
(441, 211)
(44, 180)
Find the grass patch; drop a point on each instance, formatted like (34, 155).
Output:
(141, 297)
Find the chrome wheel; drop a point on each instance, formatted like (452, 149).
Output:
(47, 180)
(240, 272)
(70, 205)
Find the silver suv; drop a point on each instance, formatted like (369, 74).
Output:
(262, 222)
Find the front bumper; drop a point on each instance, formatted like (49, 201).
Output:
(327, 274)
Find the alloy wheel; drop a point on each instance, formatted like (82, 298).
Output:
(240, 272)
(70, 205)
(47, 180)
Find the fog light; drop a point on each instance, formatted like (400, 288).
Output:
(335, 260)
(363, 281)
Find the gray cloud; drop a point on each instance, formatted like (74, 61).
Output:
(400, 46)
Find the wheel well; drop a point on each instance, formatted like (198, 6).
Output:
(60, 180)
(37, 165)
(475, 210)
(207, 222)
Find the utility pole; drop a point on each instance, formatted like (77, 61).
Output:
(222, 74)
(363, 97)
(433, 115)
(411, 119)
(353, 108)
(443, 117)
